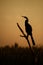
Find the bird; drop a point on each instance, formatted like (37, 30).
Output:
(28, 29)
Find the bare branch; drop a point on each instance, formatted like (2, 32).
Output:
(24, 35)
(21, 29)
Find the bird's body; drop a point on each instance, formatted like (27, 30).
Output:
(28, 29)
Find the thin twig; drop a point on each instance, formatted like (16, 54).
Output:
(22, 36)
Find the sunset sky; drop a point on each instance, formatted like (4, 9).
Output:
(11, 12)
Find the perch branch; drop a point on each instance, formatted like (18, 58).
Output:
(24, 35)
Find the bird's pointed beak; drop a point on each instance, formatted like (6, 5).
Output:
(22, 16)
(25, 17)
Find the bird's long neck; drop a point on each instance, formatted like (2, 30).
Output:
(26, 22)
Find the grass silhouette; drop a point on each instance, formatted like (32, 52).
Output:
(17, 56)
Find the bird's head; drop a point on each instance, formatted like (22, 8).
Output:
(26, 18)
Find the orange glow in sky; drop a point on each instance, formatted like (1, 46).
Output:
(11, 12)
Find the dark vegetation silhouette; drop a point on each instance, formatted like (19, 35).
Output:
(16, 55)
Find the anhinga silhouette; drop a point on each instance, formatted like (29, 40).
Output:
(28, 29)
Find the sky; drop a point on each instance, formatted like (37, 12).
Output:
(11, 12)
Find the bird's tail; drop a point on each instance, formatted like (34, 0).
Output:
(32, 40)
